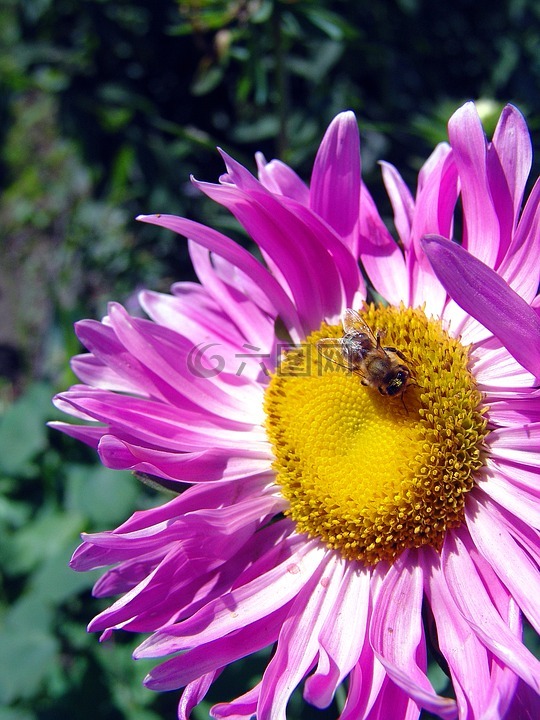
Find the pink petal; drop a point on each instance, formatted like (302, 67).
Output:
(192, 312)
(341, 638)
(195, 315)
(521, 265)
(195, 693)
(512, 147)
(250, 602)
(397, 636)
(89, 435)
(335, 181)
(402, 202)
(525, 704)
(92, 371)
(367, 682)
(279, 178)
(510, 562)
(498, 372)
(241, 708)
(346, 264)
(202, 466)
(380, 255)
(523, 477)
(508, 493)
(298, 640)
(475, 678)
(220, 280)
(163, 426)
(201, 562)
(436, 197)
(486, 296)
(527, 537)
(512, 411)
(166, 354)
(469, 145)
(102, 342)
(238, 256)
(295, 250)
(321, 230)
(519, 444)
(393, 702)
(435, 202)
(477, 607)
(203, 659)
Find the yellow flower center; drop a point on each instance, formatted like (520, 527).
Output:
(368, 473)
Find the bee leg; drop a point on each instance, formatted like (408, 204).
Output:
(378, 336)
(396, 351)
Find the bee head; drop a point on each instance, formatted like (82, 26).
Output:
(397, 383)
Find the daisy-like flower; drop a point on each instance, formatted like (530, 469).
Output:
(350, 517)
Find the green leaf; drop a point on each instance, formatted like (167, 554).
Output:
(330, 23)
(23, 432)
(49, 534)
(207, 81)
(28, 649)
(56, 582)
(106, 497)
(15, 714)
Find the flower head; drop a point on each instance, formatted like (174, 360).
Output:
(363, 486)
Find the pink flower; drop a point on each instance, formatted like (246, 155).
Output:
(350, 529)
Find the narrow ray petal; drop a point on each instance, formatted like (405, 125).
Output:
(486, 296)
(475, 604)
(335, 181)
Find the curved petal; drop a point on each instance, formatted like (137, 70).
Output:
(512, 147)
(245, 604)
(297, 252)
(402, 202)
(482, 293)
(510, 562)
(279, 178)
(298, 640)
(89, 435)
(475, 603)
(335, 182)
(271, 294)
(200, 466)
(481, 231)
(195, 693)
(320, 235)
(475, 675)
(381, 256)
(241, 708)
(92, 371)
(521, 265)
(341, 638)
(165, 427)
(207, 658)
(397, 637)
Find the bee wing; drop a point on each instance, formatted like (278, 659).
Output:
(330, 349)
(353, 322)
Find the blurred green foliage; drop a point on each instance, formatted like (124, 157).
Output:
(106, 108)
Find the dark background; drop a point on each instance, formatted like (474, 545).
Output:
(106, 108)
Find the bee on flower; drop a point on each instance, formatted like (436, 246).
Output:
(323, 518)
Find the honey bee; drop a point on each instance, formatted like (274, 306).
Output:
(379, 366)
